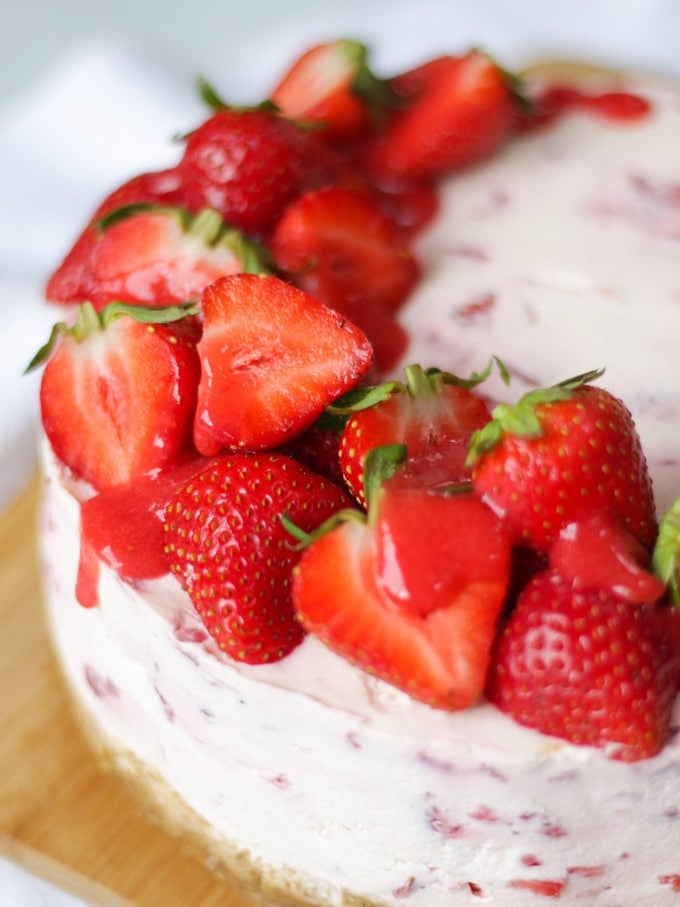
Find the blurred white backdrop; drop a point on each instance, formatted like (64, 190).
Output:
(229, 39)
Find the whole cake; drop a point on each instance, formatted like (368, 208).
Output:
(352, 556)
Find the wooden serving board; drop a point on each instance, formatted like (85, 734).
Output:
(61, 816)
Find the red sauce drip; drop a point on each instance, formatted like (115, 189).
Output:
(623, 106)
(87, 581)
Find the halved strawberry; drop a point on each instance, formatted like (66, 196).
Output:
(70, 282)
(118, 391)
(332, 86)
(272, 359)
(412, 594)
(337, 245)
(227, 545)
(147, 255)
(434, 414)
(455, 111)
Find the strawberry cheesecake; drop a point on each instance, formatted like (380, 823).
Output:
(361, 448)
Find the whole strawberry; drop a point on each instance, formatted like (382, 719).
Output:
(227, 545)
(587, 666)
(559, 454)
(248, 164)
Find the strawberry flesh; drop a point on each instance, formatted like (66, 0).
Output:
(272, 358)
(352, 595)
(121, 402)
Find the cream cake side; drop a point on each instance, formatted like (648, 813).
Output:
(312, 780)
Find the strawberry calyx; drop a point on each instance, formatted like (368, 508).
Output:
(381, 465)
(88, 322)
(376, 92)
(521, 419)
(666, 555)
(206, 227)
(212, 99)
(419, 383)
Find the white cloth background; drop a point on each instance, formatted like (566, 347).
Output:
(93, 93)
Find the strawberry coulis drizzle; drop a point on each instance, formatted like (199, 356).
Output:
(622, 106)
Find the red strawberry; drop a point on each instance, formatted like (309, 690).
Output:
(118, 392)
(249, 164)
(456, 111)
(68, 283)
(148, 255)
(331, 85)
(560, 454)
(272, 359)
(337, 245)
(226, 544)
(588, 667)
(412, 594)
(433, 414)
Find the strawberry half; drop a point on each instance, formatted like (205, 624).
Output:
(227, 545)
(456, 110)
(272, 359)
(70, 282)
(337, 245)
(412, 594)
(146, 255)
(587, 666)
(118, 391)
(331, 85)
(434, 414)
(559, 455)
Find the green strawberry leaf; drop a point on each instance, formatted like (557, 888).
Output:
(88, 321)
(666, 557)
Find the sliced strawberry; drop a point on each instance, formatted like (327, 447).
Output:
(412, 595)
(456, 111)
(272, 359)
(337, 245)
(118, 394)
(433, 414)
(226, 543)
(70, 282)
(332, 86)
(147, 255)
(587, 667)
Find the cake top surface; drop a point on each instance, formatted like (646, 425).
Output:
(227, 315)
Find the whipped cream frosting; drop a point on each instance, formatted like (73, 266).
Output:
(559, 255)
